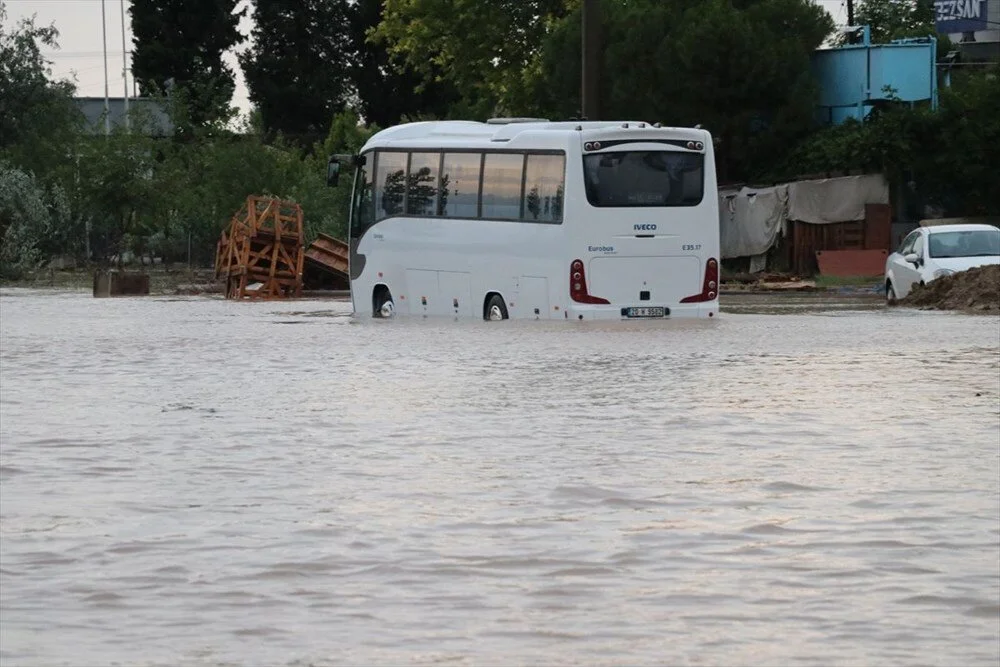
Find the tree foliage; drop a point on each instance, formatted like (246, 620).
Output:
(36, 113)
(482, 49)
(738, 67)
(741, 70)
(889, 20)
(945, 157)
(298, 67)
(178, 49)
(388, 89)
(896, 19)
(65, 191)
(33, 218)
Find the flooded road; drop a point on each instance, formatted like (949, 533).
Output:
(195, 481)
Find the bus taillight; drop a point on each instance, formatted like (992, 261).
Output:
(710, 287)
(578, 285)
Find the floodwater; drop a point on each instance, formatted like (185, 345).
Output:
(199, 482)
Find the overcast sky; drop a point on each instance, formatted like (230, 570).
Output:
(80, 40)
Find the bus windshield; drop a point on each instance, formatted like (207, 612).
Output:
(644, 178)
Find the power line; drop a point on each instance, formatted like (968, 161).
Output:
(76, 54)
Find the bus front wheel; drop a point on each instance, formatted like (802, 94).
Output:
(382, 305)
(495, 309)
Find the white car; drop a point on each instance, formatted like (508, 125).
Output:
(932, 252)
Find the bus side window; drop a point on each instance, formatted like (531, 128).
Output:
(502, 174)
(422, 184)
(459, 189)
(543, 188)
(390, 184)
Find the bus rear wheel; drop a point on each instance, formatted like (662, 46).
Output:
(382, 305)
(495, 309)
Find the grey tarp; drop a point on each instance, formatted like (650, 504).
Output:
(750, 219)
(831, 200)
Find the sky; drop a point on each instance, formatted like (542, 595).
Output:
(80, 51)
(80, 54)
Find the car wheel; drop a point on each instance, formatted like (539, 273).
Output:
(495, 309)
(890, 293)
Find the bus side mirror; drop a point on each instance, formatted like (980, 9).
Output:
(333, 172)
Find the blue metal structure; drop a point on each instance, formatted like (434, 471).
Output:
(855, 77)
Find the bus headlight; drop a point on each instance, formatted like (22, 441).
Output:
(941, 273)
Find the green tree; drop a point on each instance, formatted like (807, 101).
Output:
(740, 69)
(896, 19)
(332, 205)
(206, 181)
(481, 48)
(178, 49)
(298, 68)
(946, 157)
(387, 88)
(33, 219)
(901, 19)
(38, 125)
(37, 116)
(120, 188)
(955, 161)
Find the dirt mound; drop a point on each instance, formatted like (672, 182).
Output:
(977, 289)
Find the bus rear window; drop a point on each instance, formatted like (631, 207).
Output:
(645, 178)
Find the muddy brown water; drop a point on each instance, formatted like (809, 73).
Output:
(190, 481)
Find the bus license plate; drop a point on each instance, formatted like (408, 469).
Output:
(645, 311)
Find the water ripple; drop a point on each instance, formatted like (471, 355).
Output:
(194, 481)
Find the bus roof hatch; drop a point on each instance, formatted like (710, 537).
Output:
(508, 121)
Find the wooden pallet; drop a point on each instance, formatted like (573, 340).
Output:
(261, 255)
(327, 263)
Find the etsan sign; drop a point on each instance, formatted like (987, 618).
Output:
(953, 16)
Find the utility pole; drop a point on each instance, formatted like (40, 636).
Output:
(107, 99)
(850, 12)
(591, 48)
(125, 67)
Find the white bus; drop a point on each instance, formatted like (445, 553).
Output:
(525, 218)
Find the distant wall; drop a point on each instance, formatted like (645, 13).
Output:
(117, 283)
(146, 114)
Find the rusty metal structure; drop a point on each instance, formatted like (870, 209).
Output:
(261, 255)
(807, 241)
